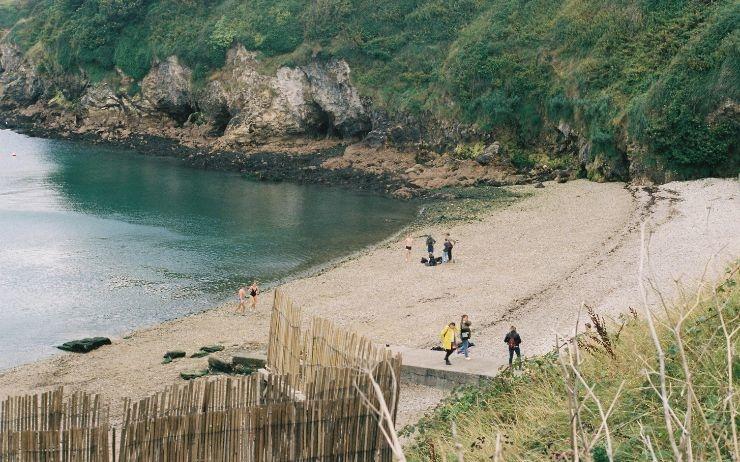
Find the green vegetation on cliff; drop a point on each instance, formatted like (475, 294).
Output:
(531, 411)
(654, 83)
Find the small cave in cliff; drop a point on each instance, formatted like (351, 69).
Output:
(322, 125)
(219, 121)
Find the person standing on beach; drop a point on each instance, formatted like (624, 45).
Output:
(447, 246)
(254, 290)
(242, 294)
(448, 341)
(464, 336)
(513, 340)
(430, 243)
(409, 242)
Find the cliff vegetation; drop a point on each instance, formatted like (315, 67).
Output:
(620, 88)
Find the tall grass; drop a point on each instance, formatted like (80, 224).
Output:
(600, 398)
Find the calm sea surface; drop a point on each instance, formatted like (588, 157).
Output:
(98, 241)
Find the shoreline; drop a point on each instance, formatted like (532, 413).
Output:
(530, 263)
(260, 164)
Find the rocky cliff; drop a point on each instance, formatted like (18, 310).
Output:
(242, 110)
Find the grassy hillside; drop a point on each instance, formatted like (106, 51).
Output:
(639, 79)
(531, 411)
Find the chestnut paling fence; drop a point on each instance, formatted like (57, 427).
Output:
(316, 401)
(53, 427)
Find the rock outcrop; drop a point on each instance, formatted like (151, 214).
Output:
(253, 108)
(167, 88)
(84, 345)
(20, 85)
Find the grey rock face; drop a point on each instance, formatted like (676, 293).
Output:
(19, 83)
(333, 92)
(168, 89)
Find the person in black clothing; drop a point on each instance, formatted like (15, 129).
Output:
(430, 243)
(513, 340)
(448, 245)
(432, 261)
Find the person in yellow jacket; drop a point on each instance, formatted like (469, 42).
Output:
(448, 340)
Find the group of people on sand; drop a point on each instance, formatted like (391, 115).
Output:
(459, 338)
(244, 293)
(430, 259)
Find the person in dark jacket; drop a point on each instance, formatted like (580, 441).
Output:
(464, 336)
(430, 243)
(513, 340)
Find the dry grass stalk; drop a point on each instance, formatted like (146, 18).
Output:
(667, 411)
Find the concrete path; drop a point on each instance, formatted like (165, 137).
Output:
(419, 366)
(427, 367)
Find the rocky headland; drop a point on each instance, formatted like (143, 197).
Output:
(305, 123)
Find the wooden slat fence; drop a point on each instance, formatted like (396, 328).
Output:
(317, 403)
(303, 431)
(304, 354)
(50, 427)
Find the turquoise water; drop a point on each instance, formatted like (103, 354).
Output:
(98, 241)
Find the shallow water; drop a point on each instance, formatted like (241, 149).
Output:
(98, 241)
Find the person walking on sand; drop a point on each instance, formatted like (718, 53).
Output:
(464, 336)
(513, 340)
(447, 248)
(254, 290)
(242, 294)
(448, 341)
(409, 242)
(430, 243)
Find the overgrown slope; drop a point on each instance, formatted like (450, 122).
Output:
(651, 84)
(531, 412)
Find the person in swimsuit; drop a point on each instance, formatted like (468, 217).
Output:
(253, 292)
(242, 294)
(409, 241)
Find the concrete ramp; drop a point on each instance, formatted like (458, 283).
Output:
(423, 367)
(427, 367)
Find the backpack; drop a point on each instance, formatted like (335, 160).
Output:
(512, 341)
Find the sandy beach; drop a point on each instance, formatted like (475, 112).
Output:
(531, 263)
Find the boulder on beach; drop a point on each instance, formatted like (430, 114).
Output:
(174, 354)
(199, 354)
(246, 362)
(212, 348)
(84, 345)
(219, 365)
(190, 375)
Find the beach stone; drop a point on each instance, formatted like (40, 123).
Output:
(166, 360)
(219, 365)
(199, 354)
(248, 362)
(190, 375)
(174, 354)
(212, 348)
(243, 370)
(84, 345)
